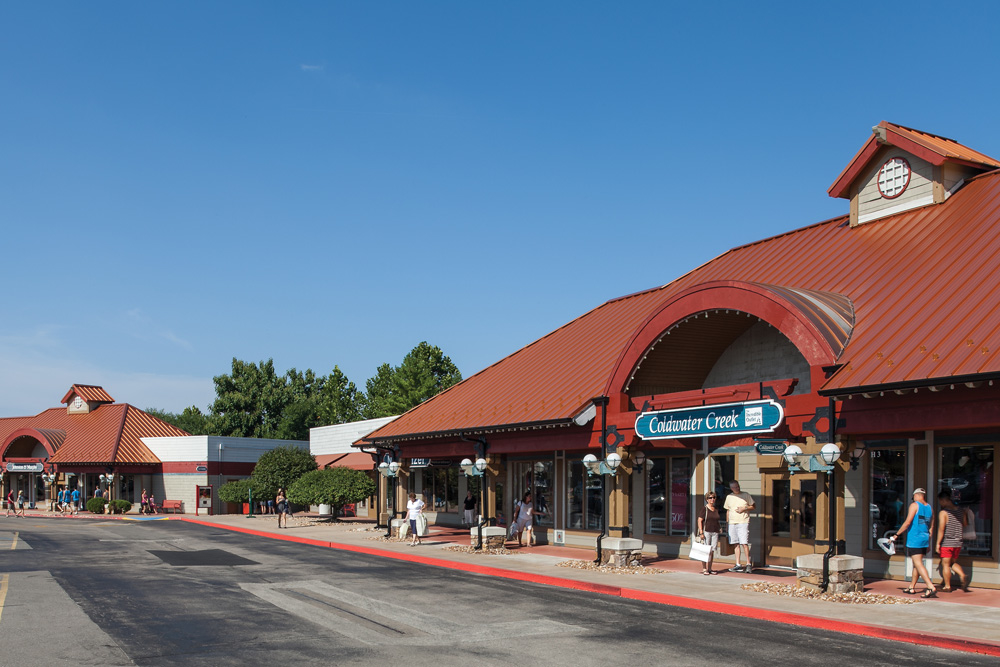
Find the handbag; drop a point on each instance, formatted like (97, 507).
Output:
(422, 526)
(969, 532)
(700, 551)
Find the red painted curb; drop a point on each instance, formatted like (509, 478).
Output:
(787, 618)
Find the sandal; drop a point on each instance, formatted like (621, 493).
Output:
(910, 591)
(929, 593)
(943, 589)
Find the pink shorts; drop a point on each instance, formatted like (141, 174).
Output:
(950, 552)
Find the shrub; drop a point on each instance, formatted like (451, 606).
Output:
(120, 506)
(96, 505)
(237, 491)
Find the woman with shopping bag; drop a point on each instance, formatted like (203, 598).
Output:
(708, 534)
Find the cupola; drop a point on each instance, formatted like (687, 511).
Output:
(899, 169)
(83, 398)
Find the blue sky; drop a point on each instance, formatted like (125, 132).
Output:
(331, 183)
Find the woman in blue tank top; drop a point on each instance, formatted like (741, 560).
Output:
(918, 527)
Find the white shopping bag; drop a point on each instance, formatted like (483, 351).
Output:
(887, 545)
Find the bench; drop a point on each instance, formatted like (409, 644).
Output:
(174, 505)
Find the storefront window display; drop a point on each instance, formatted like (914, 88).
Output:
(440, 489)
(968, 473)
(888, 499)
(668, 512)
(723, 471)
(538, 478)
(584, 502)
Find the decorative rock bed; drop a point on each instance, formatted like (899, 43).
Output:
(610, 569)
(810, 594)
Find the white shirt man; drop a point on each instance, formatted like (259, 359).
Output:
(738, 506)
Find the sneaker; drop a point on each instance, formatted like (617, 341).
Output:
(735, 568)
(748, 569)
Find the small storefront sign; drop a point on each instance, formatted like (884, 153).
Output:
(25, 467)
(709, 420)
(419, 463)
(771, 446)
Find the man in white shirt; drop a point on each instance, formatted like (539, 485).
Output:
(738, 507)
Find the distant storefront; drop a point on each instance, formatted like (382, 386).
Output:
(95, 445)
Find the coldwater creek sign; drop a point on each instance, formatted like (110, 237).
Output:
(725, 419)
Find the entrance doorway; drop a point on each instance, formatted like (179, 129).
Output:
(793, 502)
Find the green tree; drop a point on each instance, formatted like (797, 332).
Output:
(280, 467)
(339, 400)
(425, 372)
(192, 420)
(251, 402)
(378, 400)
(336, 486)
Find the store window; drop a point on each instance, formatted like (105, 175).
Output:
(888, 500)
(668, 496)
(723, 471)
(584, 502)
(440, 489)
(968, 473)
(538, 478)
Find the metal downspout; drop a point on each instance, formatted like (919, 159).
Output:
(832, 502)
(603, 400)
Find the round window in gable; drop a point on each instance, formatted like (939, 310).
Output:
(893, 177)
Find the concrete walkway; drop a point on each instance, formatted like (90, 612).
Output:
(962, 621)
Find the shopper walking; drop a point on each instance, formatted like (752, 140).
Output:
(918, 527)
(281, 502)
(524, 520)
(738, 506)
(951, 523)
(709, 527)
(10, 503)
(74, 498)
(414, 510)
(20, 503)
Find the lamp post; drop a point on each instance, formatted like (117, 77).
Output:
(390, 470)
(49, 478)
(477, 469)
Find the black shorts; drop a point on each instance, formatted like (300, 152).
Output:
(917, 551)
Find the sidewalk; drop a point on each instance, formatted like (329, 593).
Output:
(960, 621)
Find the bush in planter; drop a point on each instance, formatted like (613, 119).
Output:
(336, 487)
(96, 505)
(120, 506)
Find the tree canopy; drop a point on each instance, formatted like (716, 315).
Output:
(279, 468)
(254, 401)
(336, 486)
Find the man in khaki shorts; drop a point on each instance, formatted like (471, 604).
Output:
(738, 507)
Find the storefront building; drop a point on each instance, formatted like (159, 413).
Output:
(877, 331)
(97, 445)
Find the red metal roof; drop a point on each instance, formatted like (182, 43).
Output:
(108, 434)
(353, 460)
(922, 283)
(89, 392)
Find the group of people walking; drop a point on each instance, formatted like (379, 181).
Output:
(12, 502)
(953, 527)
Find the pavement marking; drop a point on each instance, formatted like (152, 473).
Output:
(13, 542)
(375, 622)
(3, 591)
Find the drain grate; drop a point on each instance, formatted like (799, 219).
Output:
(208, 557)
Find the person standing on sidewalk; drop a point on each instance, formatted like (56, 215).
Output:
(951, 523)
(738, 507)
(282, 504)
(414, 508)
(918, 527)
(709, 528)
(470, 509)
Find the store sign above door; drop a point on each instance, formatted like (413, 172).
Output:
(25, 467)
(725, 419)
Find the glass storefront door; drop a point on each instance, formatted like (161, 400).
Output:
(792, 503)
